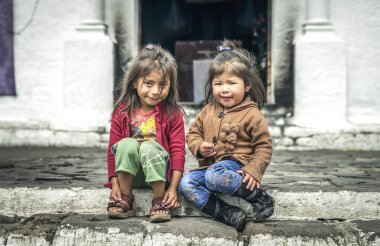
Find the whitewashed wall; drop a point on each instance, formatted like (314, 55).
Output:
(38, 53)
(39, 56)
(39, 66)
(53, 57)
(358, 24)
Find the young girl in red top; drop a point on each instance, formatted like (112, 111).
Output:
(147, 136)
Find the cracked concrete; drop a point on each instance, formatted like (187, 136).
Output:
(89, 229)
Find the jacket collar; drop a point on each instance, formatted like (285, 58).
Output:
(246, 103)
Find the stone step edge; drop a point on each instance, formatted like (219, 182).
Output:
(23, 201)
(45, 229)
(294, 138)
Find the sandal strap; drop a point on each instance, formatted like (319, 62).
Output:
(157, 204)
(129, 199)
(126, 205)
(117, 204)
(157, 200)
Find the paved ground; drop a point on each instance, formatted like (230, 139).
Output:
(289, 170)
(323, 198)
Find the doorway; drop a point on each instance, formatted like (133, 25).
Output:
(191, 30)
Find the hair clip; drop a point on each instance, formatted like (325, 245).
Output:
(149, 46)
(224, 48)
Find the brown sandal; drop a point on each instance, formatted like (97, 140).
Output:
(125, 204)
(158, 205)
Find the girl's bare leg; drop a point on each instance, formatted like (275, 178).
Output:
(125, 183)
(158, 188)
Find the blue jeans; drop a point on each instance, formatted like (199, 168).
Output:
(220, 177)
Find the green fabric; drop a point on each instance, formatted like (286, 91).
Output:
(147, 161)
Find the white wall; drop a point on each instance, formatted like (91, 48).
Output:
(39, 56)
(38, 53)
(358, 23)
(39, 61)
(355, 22)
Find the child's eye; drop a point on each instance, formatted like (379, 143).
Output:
(217, 83)
(148, 83)
(163, 85)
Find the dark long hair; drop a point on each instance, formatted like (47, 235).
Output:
(150, 58)
(241, 63)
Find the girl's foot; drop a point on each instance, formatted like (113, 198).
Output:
(158, 212)
(121, 209)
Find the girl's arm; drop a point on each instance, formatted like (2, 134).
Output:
(177, 159)
(177, 142)
(250, 182)
(195, 135)
(171, 198)
(115, 194)
(115, 136)
(262, 149)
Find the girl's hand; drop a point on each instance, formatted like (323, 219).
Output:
(206, 149)
(171, 199)
(252, 183)
(115, 194)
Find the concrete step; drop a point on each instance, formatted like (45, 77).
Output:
(54, 196)
(305, 184)
(74, 229)
(289, 205)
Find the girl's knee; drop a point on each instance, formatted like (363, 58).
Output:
(211, 181)
(150, 144)
(187, 187)
(126, 145)
(151, 150)
(184, 183)
(127, 141)
(211, 176)
(212, 172)
(192, 180)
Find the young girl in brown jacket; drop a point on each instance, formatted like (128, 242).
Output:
(231, 141)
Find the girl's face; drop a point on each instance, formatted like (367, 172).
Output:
(152, 90)
(228, 90)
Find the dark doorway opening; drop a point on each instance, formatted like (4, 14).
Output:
(191, 29)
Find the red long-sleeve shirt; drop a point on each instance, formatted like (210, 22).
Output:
(170, 134)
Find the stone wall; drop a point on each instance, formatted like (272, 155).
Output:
(285, 135)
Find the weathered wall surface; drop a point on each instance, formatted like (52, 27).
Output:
(357, 24)
(41, 30)
(50, 60)
(38, 53)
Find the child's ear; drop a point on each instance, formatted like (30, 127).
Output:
(247, 88)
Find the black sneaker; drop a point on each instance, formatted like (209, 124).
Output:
(263, 207)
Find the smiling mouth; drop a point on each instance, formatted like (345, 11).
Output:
(154, 99)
